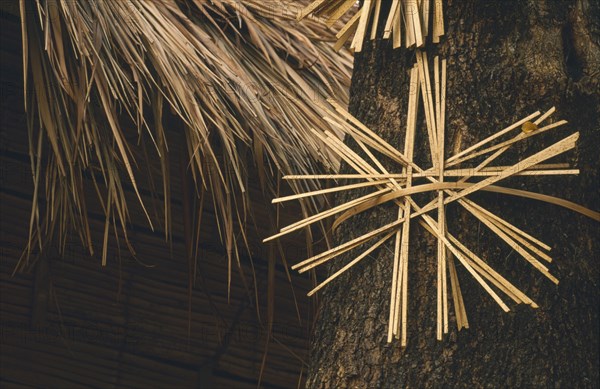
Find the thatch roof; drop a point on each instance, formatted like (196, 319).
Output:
(112, 86)
(67, 323)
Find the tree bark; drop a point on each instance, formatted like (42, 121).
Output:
(506, 59)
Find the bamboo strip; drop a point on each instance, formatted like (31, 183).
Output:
(494, 136)
(506, 284)
(350, 244)
(339, 12)
(391, 153)
(442, 323)
(481, 214)
(430, 103)
(491, 276)
(375, 21)
(510, 232)
(404, 250)
(494, 281)
(359, 36)
(519, 234)
(456, 294)
(440, 268)
(447, 173)
(392, 331)
(426, 95)
(392, 19)
(378, 140)
(483, 217)
(350, 264)
(517, 138)
(344, 34)
(325, 191)
(463, 260)
(438, 110)
(397, 276)
(416, 23)
(312, 7)
(548, 199)
(441, 92)
(425, 14)
(409, 36)
(492, 157)
(330, 7)
(397, 29)
(340, 150)
(530, 258)
(321, 215)
(547, 114)
(438, 21)
(491, 188)
(558, 148)
(397, 194)
(400, 268)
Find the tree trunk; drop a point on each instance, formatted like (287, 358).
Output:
(506, 59)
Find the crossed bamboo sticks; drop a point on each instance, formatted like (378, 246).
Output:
(408, 17)
(399, 188)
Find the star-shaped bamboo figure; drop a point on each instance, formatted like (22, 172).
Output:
(450, 184)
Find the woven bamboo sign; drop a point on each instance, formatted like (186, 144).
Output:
(450, 182)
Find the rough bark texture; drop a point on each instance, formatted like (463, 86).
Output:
(506, 59)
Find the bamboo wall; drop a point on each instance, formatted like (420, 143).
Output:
(69, 322)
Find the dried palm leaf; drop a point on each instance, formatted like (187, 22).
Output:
(241, 77)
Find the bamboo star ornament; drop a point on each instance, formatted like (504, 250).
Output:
(449, 184)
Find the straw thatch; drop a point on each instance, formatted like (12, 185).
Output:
(103, 80)
(68, 322)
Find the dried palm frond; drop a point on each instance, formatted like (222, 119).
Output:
(101, 76)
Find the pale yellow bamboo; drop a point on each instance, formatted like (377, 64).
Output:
(322, 215)
(494, 136)
(509, 142)
(429, 117)
(350, 264)
(404, 250)
(397, 30)
(394, 10)
(494, 156)
(375, 22)
(344, 34)
(456, 293)
(492, 276)
(441, 104)
(447, 173)
(359, 36)
(462, 259)
(325, 191)
(506, 284)
(515, 232)
(438, 21)
(339, 12)
(310, 9)
(558, 148)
